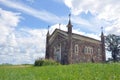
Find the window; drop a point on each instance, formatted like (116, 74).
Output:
(91, 50)
(88, 50)
(85, 50)
(57, 52)
(76, 49)
(99, 52)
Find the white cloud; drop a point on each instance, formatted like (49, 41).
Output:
(8, 22)
(78, 20)
(57, 26)
(24, 49)
(9, 17)
(98, 7)
(107, 10)
(114, 28)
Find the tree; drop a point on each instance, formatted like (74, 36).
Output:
(113, 45)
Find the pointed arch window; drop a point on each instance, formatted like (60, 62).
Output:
(76, 48)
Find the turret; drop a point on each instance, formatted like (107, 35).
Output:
(47, 45)
(69, 25)
(69, 54)
(103, 45)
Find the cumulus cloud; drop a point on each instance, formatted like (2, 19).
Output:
(8, 22)
(107, 10)
(19, 45)
(100, 8)
(24, 46)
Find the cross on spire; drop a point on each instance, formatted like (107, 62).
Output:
(48, 27)
(69, 16)
(59, 25)
(69, 23)
(102, 29)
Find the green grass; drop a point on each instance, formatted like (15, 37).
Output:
(83, 71)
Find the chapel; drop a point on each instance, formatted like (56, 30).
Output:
(66, 47)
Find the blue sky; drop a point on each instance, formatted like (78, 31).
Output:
(24, 23)
(28, 20)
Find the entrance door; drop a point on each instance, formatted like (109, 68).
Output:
(57, 53)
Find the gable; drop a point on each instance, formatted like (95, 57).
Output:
(57, 34)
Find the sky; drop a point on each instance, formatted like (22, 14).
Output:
(24, 24)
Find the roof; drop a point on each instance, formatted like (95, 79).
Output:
(74, 36)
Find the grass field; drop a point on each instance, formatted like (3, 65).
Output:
(83, 71)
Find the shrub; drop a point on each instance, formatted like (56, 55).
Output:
(45, 62)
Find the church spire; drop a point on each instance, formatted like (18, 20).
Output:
(69, 25)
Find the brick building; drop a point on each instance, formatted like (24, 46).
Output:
(67, 47)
